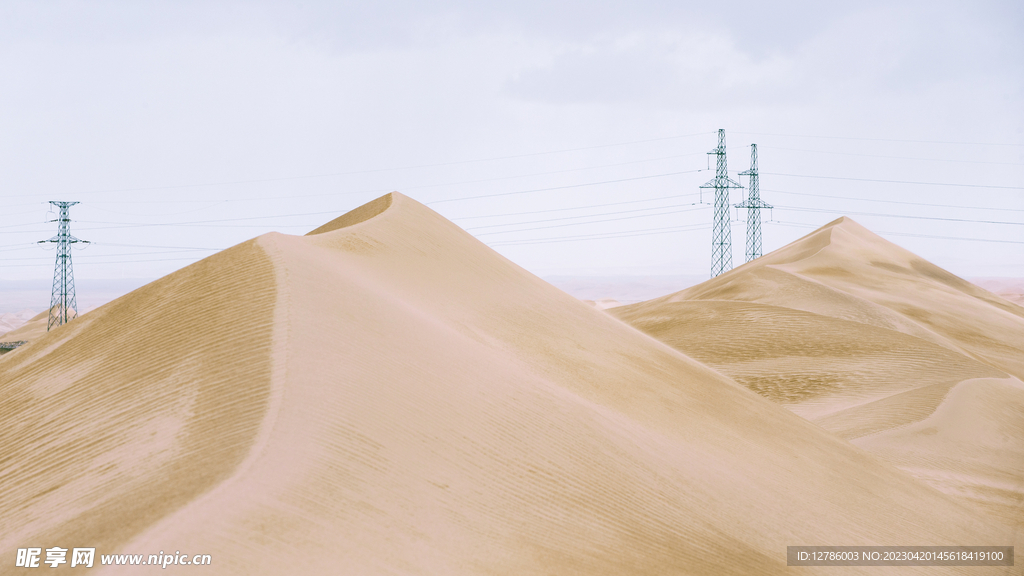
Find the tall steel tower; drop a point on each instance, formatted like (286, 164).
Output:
(721, 237)
(753, 206)
(63, 307)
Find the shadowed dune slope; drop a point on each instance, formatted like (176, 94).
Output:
(431, 409)
(870, 342)
(113, 421)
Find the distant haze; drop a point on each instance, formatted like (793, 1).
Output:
(624, 289)
(35, 295)
(569, 136)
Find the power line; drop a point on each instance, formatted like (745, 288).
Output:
(585, 216)
(212, 204)
(29, 224)
(458, 183)
(214, 221)
(36, 210)
(898, 202)
(17, 247)
(564, 187)
(952, 238)
(897, 181)
(591, 222)
(549, 172)
(879, 139)
(827, 211)
(190, 225)
(894, 157)
(624, 234)
(45, 256)
(151, 246)
(814, 227)
(148, 260)
(383, 190)
(200, 223)
(377, 170)
(674, 196)
(203, 223)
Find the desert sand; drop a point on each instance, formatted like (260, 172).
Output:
(876, 345)
(31, 329)
(387, 395)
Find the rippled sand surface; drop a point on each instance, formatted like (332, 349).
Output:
(387, 395)
(876, 345)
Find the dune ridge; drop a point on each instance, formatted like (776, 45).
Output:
(412, 402)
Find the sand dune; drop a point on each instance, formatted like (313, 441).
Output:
(31, 329)
(970, 445)
(389, 396)
(875, 344)
(603, 303)
(34, 327)
(1011, 289)
(12, 320)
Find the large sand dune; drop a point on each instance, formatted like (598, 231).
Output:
(389, 396)
(875, 344)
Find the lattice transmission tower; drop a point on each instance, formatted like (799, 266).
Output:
(63, 307)
(721, 237)
(753, 204)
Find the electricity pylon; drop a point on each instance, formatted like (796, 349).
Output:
(721, 237)
(753, 205)
(63, 307)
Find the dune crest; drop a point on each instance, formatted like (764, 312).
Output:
(408, 401)
(361, 214)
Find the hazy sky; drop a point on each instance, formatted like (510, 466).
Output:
(202, 124)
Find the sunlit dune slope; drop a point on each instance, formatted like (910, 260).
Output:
(871, 342)
(389, 396)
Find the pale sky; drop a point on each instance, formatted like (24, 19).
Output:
(182, 125)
